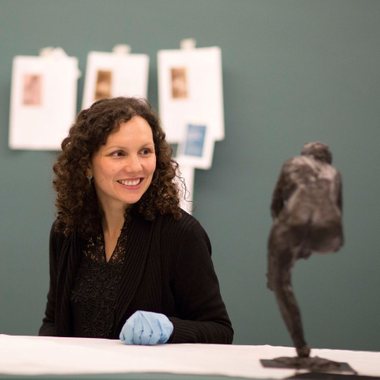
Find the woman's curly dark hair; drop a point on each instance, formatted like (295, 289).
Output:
(77, 204)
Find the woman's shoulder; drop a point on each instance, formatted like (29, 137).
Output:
(187, 225)
(186, 221)
(185, 236)
(59, 238)
(55, 233)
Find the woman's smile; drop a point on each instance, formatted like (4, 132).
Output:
(130, 182)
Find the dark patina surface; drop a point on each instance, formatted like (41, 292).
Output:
(307, 218)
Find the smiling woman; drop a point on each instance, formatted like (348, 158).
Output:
(123, 168)
(125, 260)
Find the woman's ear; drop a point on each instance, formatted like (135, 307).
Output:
(89, 170)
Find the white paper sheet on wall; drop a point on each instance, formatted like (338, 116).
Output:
(115, 74)
(190, 88)
(43, 100)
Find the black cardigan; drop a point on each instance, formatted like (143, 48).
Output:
(168, 270)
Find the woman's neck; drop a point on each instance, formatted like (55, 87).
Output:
(113, 221)
(112, 226)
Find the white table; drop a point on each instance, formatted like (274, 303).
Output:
(29, 355)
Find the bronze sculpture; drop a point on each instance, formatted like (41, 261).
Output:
(307, 217)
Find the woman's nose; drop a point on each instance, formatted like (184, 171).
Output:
(133, 163)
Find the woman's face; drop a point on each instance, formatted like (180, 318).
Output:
(123, 168)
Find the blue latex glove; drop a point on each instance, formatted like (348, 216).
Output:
(146, 328)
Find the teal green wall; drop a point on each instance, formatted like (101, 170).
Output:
(294, 71)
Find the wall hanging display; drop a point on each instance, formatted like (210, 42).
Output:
(190, 88)
(43, 99)
(115, 74)
(191, 105)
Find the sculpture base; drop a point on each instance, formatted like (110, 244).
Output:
(313, 364)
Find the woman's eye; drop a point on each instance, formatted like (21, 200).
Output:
(146, 151)
(117, 154)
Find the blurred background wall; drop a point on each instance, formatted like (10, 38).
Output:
(293, 71)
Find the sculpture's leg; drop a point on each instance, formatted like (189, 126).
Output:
(280, 263)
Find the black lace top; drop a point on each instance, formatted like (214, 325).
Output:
(93, 298)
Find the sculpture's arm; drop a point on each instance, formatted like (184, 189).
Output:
(277, 198)
(339, 192)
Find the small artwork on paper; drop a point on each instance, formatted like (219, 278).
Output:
(196, 147)
(195, 140)
(179, 83)
(32, 90)
(43, 95)
(110, 75)
(190, 88)
(103, 85)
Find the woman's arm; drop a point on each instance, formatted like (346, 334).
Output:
(202, 315)
(48, 323)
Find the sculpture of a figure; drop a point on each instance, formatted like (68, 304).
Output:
(307, 212)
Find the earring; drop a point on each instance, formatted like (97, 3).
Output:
(90, 177)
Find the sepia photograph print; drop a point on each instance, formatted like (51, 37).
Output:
(179, 83)
(103, 85)
(32, 90)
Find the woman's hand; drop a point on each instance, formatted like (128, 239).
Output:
(146, 328)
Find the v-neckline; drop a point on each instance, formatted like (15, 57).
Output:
(103, 241)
